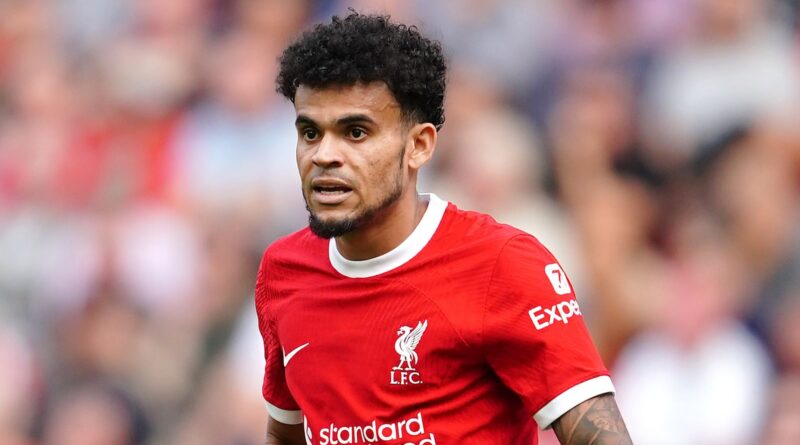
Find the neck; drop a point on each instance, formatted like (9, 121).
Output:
(386, 231)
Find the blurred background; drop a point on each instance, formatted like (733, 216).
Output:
(146, 162)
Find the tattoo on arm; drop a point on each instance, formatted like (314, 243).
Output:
(596, 421)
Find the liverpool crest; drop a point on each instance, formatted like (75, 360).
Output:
(405, 372)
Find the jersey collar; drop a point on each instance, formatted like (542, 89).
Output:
(398, 256)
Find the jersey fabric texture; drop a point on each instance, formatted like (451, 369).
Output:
(467, 333)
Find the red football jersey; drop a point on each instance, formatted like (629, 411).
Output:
(467, 333)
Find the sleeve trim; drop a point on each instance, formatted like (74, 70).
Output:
(289, 417)
(572, 398)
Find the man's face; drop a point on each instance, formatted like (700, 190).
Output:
(350, 153)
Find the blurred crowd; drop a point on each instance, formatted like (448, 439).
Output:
(146, 162)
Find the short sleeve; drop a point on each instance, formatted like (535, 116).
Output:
(280, 403)
(534, 334)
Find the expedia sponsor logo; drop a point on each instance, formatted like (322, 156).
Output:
(412, 430)
(561, 312)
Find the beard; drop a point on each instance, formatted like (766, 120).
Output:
(332, 229)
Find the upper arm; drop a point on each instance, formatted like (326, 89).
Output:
(284, 434)
(596, 421)
(534, 337)
(284, 412)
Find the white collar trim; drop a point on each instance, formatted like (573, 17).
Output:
(398, 256)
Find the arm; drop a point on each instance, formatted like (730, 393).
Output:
(289, 429)
(596, 421)
(282, 434)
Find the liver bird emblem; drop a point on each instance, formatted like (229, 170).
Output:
(407, 343)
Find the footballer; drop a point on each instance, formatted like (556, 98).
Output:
(396, 317)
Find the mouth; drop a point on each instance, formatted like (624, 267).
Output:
(330, 192)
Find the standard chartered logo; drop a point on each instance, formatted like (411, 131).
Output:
(307, 430)
(412, 430)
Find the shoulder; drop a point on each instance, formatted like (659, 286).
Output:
(508, 255)
(285, 256)
(474, 244)
(483, 234)
(295, 245)
(300, 247)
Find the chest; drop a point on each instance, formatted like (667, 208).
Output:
(375, 343)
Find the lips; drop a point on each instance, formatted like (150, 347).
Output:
(330, 191)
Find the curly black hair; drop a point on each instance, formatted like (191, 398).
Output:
(367, 48)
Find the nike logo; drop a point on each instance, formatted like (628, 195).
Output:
(287, 357)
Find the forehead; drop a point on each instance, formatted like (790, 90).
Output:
(332, 102)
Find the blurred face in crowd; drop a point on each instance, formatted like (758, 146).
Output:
(88, 417)
(355, 154)
(728, 18)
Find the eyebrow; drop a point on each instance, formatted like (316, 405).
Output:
(342, 121)
(304, 120)
(354, 119)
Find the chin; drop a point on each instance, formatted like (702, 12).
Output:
(332, 227)
(332, 214)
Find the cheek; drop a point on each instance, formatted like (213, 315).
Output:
(304, 164)
(375, 168)
(299, 162)
(381, 173)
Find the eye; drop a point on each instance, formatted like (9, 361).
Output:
(309, 134)
(357, 133)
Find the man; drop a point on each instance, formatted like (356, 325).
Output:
(396, 317)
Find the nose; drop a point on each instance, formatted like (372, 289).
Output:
(328, 153)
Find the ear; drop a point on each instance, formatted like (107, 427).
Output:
(422, 138)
